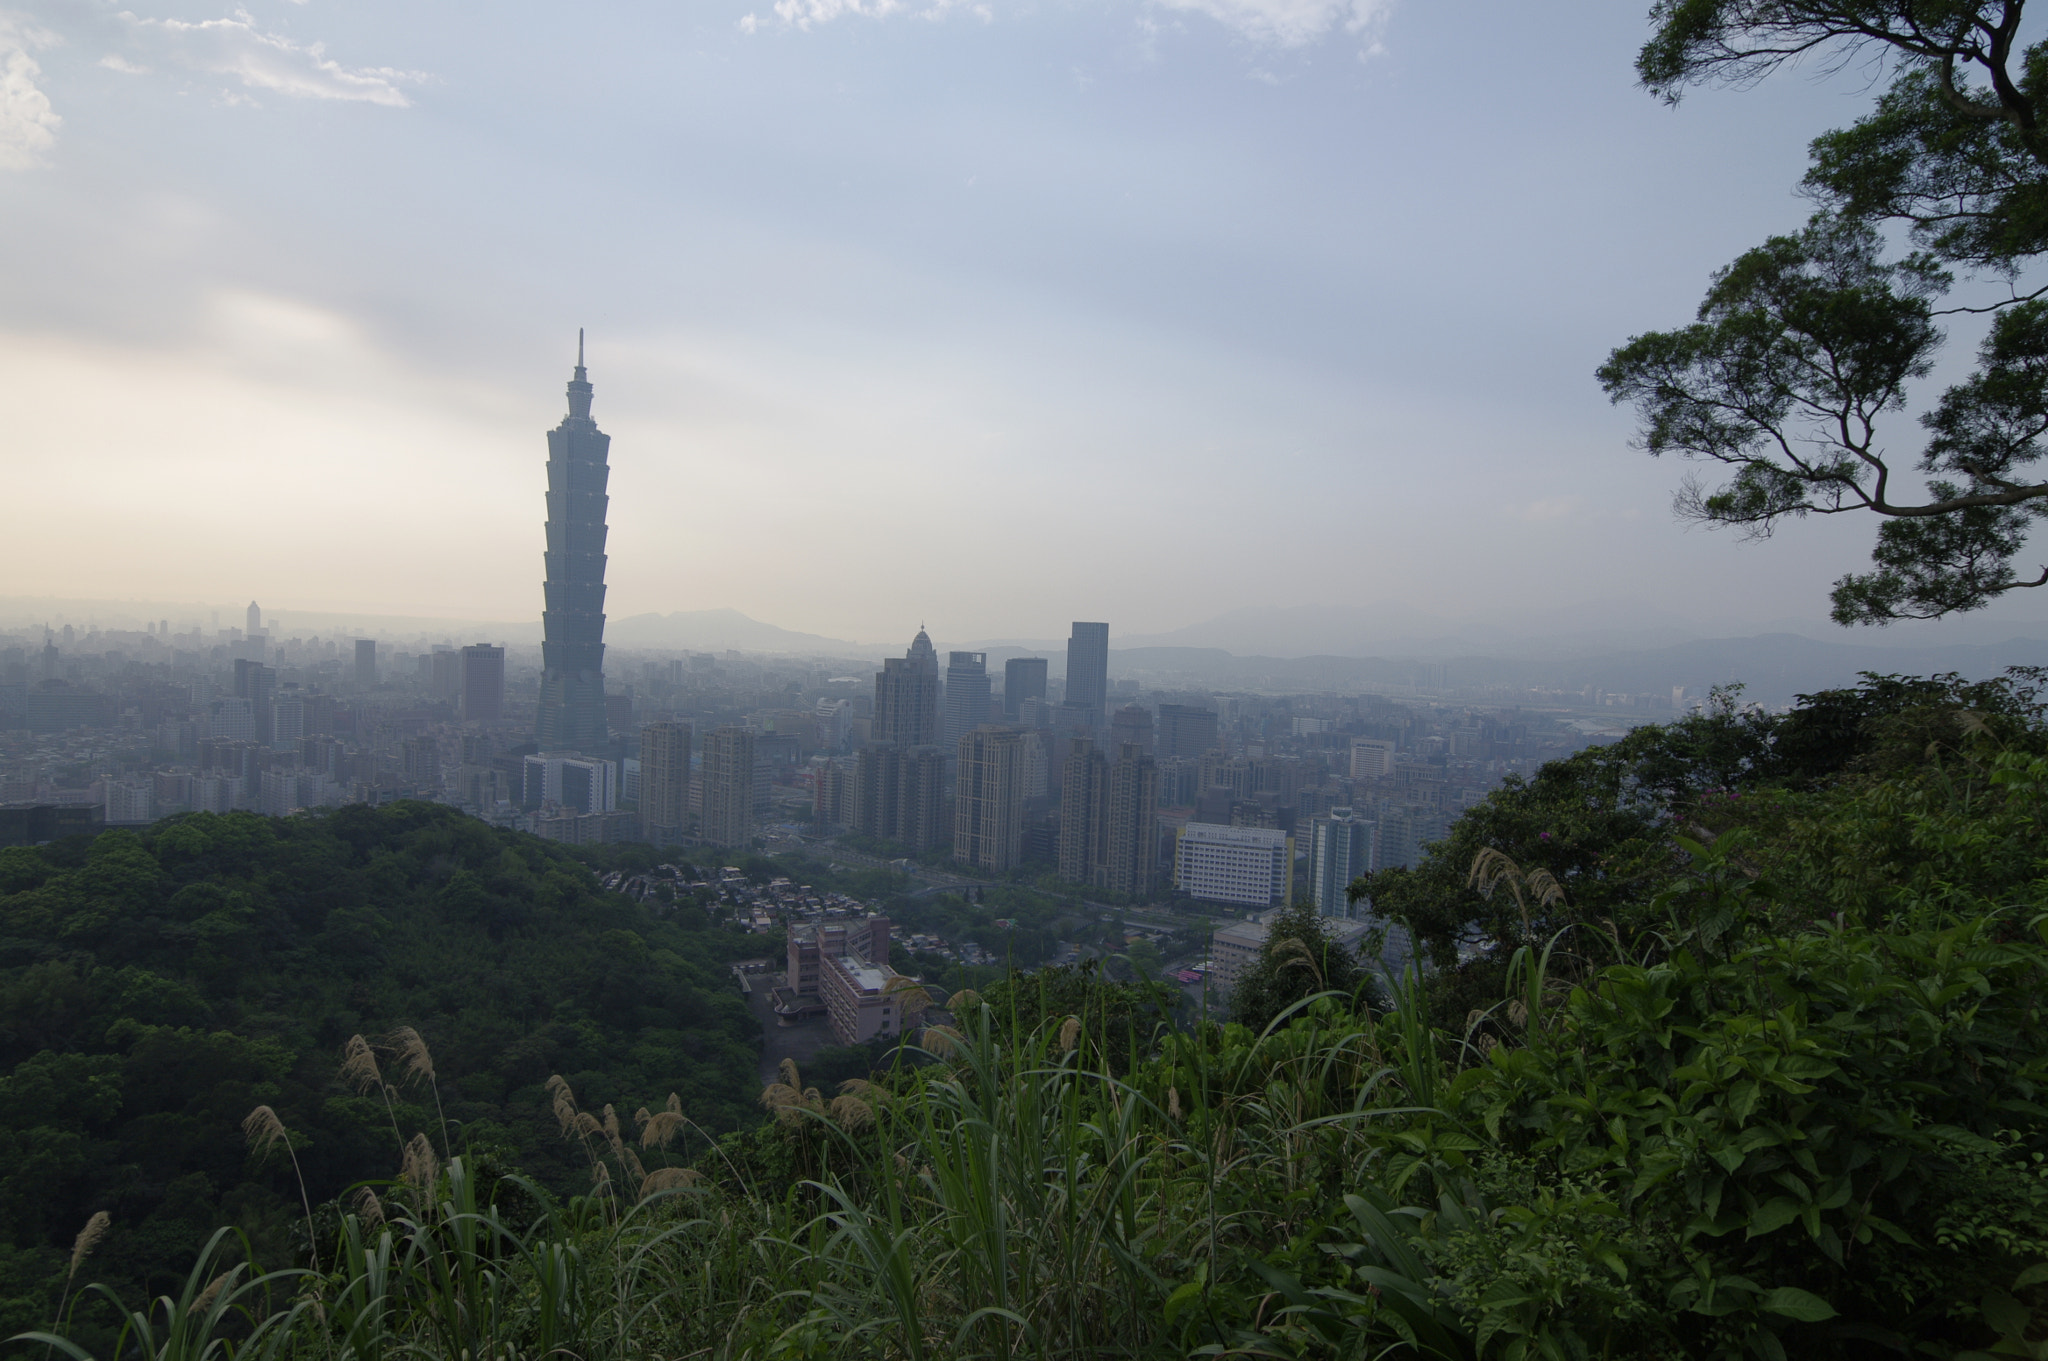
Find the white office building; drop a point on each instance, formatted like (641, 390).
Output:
(1371, 758)
(1241, 866)
(578, 783)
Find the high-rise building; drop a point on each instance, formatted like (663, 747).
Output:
(579, 784)
(1023, 678)
(967, 694)
(1243, 866)
(1340, 849)
(988, 806)
(907, 696)
(255, 617)
(572, 652)
(483, 683)
(421, 762)
(664, 782)
(728, 819)
(1186, 731)
(366, 663)
(257, 683)
(1371, 758)
(900, 795)
(444, 677)
(1088, 667)
(287, 719)
(1084, 787)
(1128, 861)
(1131, 723)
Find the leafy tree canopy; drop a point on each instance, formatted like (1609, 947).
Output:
(155, 986)
(1806, 348)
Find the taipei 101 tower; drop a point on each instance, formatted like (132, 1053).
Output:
(572, 650)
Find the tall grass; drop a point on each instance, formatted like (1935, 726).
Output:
(1019, 1194)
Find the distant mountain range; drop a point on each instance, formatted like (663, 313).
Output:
(720, 631)
(1616, 646)
(1773, 668)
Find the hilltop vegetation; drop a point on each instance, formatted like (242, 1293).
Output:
(157, 985)
(1734, 1049)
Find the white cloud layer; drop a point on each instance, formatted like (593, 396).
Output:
(28, 125)
(271, 62)
(1280, 23)
(1291, 23)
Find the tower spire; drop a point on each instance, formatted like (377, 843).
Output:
(579, 386)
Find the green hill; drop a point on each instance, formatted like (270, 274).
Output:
(156, 986)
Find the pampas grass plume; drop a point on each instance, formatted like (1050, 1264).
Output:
(359, 1066)
(88, 1238)
(659, 1129)
(264, 1130)
(412, 1052)
(421, 1169)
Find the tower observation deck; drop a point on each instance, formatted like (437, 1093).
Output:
(572, 651)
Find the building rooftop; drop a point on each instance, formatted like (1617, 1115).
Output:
(865, 975)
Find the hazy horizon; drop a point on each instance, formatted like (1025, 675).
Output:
(983, 317)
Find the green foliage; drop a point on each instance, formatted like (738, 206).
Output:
(156, 986)
(1297, 961)
(1793, 1107)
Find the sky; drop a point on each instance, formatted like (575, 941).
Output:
(988, 316)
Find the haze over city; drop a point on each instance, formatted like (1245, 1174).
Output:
(987, 316)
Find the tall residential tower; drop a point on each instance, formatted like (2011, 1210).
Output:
(572, 651)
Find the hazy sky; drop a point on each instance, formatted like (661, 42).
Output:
(992, 315)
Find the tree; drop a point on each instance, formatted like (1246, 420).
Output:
(1805, 345)
(1299, 959)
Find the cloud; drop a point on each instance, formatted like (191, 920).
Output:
(123, 65)
(28, 125)
(1280, 23)
(1291, 23)
(236, 47)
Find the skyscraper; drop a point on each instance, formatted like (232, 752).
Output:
(1185, 731)
(1023, 678)
(900, 795)
(1340, 849)
(664, 782)
(257, 683)
(1131, 723)
(572, 650)
(988, 804)
(1129, 847)
(483, 683)
(907, 696)
(366, 663)
(729, 788)
(255, 617)
(1084, 784)
(967, 695)
(1088, 668)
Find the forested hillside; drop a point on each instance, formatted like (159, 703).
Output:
(156, 986)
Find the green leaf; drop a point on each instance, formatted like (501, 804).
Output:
(1794, 1303)
(1775, 1214)
(2006, 1315)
